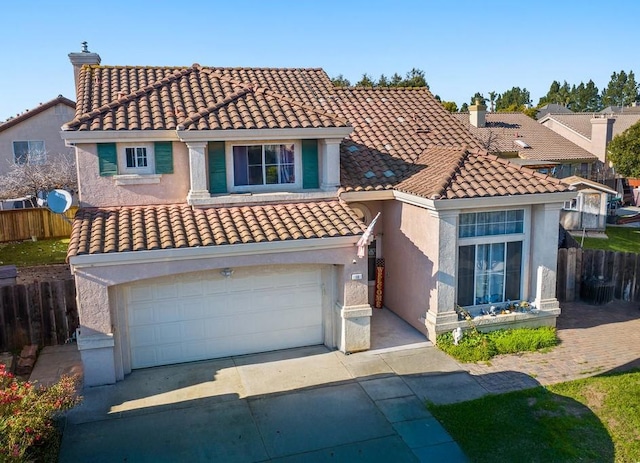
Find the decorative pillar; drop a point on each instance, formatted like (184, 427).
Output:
(197, 171)
(441, 313)
(330, 163)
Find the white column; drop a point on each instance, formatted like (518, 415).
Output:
(197, 171)
(330, 163)
(442, 303)
(544, 254)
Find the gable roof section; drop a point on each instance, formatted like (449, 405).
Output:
(575, 180)
(200, 98)
(37, 110)
(403, 139)
(581, 122)
(144, 228)
(503, 129)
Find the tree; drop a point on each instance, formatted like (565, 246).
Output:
(450, 106)
(478, 96)
(621, 91)
(396, 80)
(340, 81)
(415, 78)
(624, 151)
(516, 99)
(464, 108)
(35, 176)
(586, 98)
(492, 100)
(366, 81)
(382, 81)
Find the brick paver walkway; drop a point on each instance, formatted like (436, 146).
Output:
(594, 339)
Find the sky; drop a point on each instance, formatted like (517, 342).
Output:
(462, 46)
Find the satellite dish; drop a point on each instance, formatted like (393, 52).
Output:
(59, 201)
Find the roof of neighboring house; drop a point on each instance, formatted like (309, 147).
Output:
(200, 98)
(620, 109)
(517, 132)
(551, 108)
(404, 139)
(37, 110)
(581, 122)
(575, 180)
(143, 228)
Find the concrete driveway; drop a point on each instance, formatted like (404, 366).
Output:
(308, 404)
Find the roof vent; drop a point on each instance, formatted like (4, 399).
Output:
(522, 143)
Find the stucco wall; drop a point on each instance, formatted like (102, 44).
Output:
(410, 244)
(97, 191)
(44, 126)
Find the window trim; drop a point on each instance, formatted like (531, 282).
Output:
(122, 159)
(524, 237)
(29, 159)
(297, 167)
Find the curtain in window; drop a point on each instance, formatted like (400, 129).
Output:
(240, 165)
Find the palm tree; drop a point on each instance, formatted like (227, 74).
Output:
(492, 99)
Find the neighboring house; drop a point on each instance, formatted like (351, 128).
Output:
(593, 132)
(552, 108)
(517, 137)
(34, 135)
(589, 210)
(222, 208)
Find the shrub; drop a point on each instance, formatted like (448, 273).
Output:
(477, 347)
(27, 414)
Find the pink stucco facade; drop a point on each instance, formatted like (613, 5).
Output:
(99, 191)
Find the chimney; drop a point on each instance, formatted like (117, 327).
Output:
(601, 135)
(477, 113)
(82, 58)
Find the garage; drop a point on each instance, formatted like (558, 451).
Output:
(205, 315)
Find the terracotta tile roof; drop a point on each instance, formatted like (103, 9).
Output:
(403, 139)
(37, 110)
(200, 98)
(503, 129)
(141, 228)
(581, 122)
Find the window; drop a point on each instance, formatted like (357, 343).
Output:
(136, 157)
(257, 165)
(490, 257)
(571, 205)
(30, 151)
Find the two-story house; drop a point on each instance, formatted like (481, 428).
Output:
(34, 136)
(223, 209)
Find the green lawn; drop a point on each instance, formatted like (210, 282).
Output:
(595, 419)
(625, 239)
(29, 253)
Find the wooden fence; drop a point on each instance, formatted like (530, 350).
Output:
(42, 313)
(23, 224)
(577, 265)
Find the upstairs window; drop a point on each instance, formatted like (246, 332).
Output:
(136, 157)
(29, 151)
(261, 165)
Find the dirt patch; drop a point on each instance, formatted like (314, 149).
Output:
(27, 275)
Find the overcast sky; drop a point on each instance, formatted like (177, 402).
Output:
(463, 46)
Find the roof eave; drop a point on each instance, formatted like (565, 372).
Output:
(264, 134)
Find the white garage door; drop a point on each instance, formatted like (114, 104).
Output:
(204, 315)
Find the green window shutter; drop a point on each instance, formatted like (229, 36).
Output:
(310, 164)
(107, 159)
(217, 168)
(164, 157)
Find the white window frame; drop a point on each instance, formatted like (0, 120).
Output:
(572, 204)
(122, 159)
(524, 237)
(297, 167)
(31, 158)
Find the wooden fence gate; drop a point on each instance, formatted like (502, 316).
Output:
(42, 313)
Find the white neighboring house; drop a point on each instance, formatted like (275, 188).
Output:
(588, 211)
(34, 135)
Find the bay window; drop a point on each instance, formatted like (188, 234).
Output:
(490, 257)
